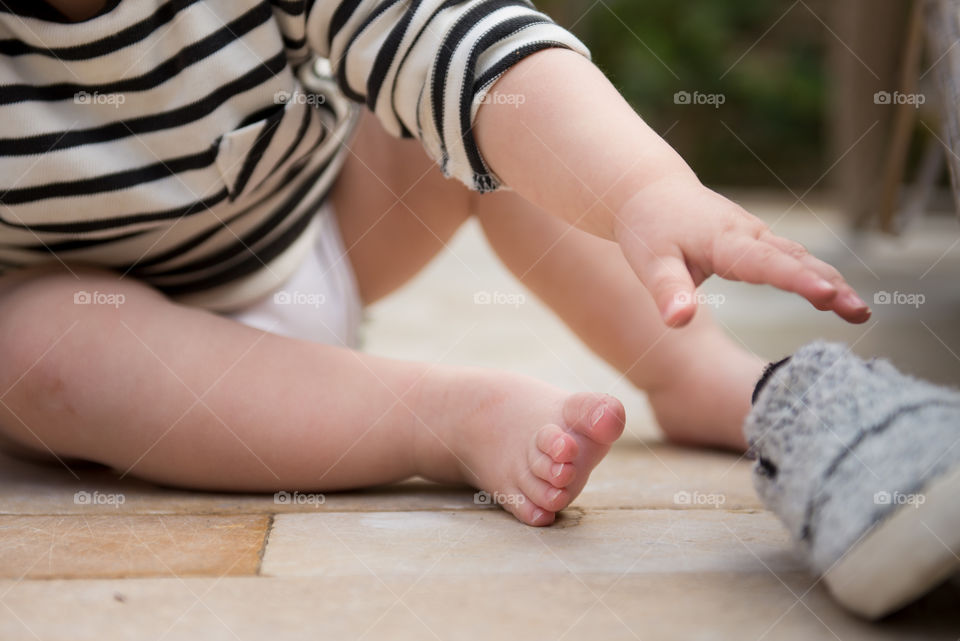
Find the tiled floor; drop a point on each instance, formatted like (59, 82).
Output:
(664, 543)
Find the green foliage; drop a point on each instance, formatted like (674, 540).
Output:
(768, 67)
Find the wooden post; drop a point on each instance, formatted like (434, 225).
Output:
(866, 57)
(943, 36)
(905, 120)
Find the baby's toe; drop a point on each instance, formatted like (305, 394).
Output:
(560, 446)
(556, 474)
(599, 417)
(544, 495)
(527, 511)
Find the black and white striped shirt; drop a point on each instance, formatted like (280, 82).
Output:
(189, 143)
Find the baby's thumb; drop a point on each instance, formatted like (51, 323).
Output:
(669, 280)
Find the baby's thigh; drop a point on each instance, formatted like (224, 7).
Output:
(395, 208)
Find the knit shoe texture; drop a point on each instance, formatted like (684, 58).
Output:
(859, 461)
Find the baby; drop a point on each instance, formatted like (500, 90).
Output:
(173, 169)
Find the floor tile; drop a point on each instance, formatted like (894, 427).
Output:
(661, 607)
(37, 547)
(651, 474)
(612, 542)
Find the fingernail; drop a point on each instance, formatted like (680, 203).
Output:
(557, 469)
(854, 301)
(597, 415)
(672, 309)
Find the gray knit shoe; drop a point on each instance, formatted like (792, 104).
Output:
(862, 464)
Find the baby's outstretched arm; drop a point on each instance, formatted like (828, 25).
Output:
(573, 146)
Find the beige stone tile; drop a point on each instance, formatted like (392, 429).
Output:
(476, 543)
(127, 545)
(737, 605)
(651, 474)
(29, 488)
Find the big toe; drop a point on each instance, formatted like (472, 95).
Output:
(599, 417)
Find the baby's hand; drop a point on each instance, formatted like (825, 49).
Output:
(676, 232)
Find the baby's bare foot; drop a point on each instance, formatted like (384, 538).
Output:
(530, 446)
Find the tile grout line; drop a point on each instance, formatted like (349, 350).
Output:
(263, 546)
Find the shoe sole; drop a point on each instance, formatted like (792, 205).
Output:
(902, 558)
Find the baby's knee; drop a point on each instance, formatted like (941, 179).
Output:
(42, 311)
(40, 306)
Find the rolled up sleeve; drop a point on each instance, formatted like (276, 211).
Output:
(425, 67)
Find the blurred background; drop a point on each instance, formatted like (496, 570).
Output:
(795, 78)
(775, 96)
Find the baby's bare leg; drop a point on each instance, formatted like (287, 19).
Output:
(396, 211)
(184, 397)
(699, 381)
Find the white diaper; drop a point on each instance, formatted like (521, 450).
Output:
(321, 301)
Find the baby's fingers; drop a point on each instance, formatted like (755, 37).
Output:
(847, 304)
(667, 278)
(748, 259)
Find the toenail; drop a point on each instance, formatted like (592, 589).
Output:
(597, 415)
(558, 448)
(554, 494)
(557, 469)
(538, 515)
